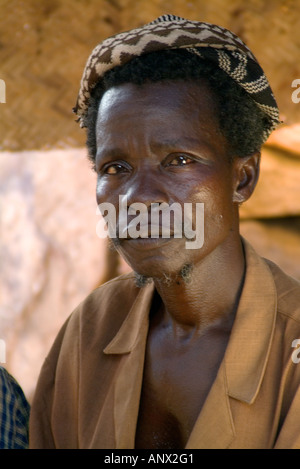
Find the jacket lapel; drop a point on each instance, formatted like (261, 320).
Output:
(130, 341)
(249, 347)
(214, 428)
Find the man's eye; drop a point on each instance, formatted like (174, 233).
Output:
(114, 168)
(180, 160)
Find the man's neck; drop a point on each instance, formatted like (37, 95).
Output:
(209, 296)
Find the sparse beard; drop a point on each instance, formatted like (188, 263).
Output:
(141, 280)
(185, 274)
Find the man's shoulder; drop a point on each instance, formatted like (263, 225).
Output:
(288, 292)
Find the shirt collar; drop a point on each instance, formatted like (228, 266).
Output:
(250, 341)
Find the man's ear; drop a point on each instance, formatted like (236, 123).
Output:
(246, 171)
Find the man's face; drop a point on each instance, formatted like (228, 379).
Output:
(160, 143)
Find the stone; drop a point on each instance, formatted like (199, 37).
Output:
(277, 193)
(51, 257)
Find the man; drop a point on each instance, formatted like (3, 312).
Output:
(14, 413)
(193, 349)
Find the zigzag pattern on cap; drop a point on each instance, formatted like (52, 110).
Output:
(209, 41)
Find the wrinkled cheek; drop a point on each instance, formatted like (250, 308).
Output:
(217, 222)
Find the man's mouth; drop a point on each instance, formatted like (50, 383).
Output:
(159, 226)
(147, 235)
(149, 231)
(144, 243)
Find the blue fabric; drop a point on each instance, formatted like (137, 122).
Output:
(14, 413)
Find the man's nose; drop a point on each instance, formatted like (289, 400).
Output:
(146, 189)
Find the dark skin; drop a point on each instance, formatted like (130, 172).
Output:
(161, 143)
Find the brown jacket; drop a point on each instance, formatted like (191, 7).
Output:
(89, 387)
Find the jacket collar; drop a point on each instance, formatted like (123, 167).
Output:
(127, 336)
(249, 346)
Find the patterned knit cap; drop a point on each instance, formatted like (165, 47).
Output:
(215, 43)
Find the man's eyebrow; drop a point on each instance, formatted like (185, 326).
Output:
(110, 153)
(170, 144)
(181, 143)
(173, 142)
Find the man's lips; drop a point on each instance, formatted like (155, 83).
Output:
(148, 231)
(145, 243)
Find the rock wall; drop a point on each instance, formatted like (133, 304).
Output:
(50, 256)
(49, 251)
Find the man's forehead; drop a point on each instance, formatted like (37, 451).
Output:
(181, 119)
(174, 93)
(187, 105)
